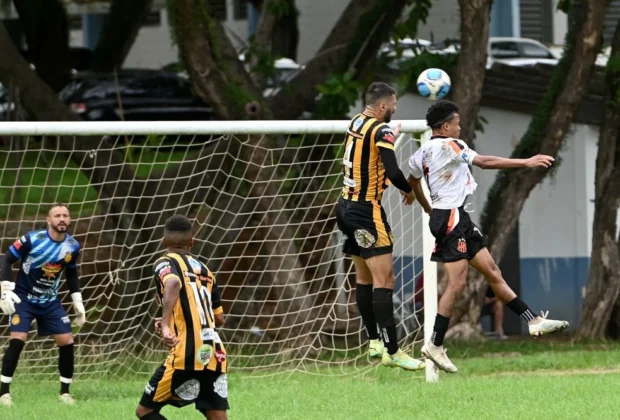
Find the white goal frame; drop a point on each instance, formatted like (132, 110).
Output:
(84, 128)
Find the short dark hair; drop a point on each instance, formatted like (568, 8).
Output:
(440, 112)
(178, 231)
(56, 204)
(378, 91)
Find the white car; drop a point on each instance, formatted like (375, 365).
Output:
(505, 50)
(519, 52)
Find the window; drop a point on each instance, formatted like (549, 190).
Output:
(240, 9)
(534, 51)
(505, 50)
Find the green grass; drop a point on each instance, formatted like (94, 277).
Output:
(540, 380)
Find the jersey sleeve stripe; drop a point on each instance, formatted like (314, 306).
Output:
(14, 252)
(218, 311)
(456, 146)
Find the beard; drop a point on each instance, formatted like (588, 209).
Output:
(60, 227)
(388, 116)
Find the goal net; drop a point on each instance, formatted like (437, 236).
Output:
(261, 196)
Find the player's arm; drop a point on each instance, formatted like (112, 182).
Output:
(464, 154)
(18, 250)
(416, 185)
(415, 180)
(170, 281)
(496, 162)
(384, 139)
(73, 281)
(216, 302)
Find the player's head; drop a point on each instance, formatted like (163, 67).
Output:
(381, 98)
(443, 118)
(178, 233)
(58, 218)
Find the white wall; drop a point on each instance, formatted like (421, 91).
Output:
(560, 24)
(153, 47)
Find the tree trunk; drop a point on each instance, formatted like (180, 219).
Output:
(352, 44)
(278, 31)
(106, 169)
(470, 70)
(119, 33)
(545, 135)
(603, 288)
(212, 62)
(46, 26)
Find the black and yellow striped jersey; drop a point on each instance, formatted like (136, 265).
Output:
(364, 174)
(193, 317)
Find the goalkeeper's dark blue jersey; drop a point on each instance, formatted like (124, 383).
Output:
(43, 262)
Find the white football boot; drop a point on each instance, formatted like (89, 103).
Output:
(6, 400)
(439, 357)
(541, 325)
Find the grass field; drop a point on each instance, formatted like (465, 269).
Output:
(515, 380)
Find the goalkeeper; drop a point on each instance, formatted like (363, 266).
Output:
(45, 254)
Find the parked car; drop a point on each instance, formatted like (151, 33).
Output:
(505, 50)
(134, 95)
(285, 70)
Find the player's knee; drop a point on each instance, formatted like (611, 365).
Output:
(458, 282)
(215, 415)
(385, 279)
(142, 412)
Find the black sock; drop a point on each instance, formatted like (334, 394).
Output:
(153, 415)
(384, 311)
(364, 296)
(9, 363)
(440, 329)
(520, 308)
(65, 367)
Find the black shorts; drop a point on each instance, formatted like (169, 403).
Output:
(366, 232)
(456, 236)
(168, 386)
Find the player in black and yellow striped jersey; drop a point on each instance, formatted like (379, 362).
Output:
(369, 167)
(195, 369)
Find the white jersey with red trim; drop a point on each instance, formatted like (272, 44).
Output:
(444, 163)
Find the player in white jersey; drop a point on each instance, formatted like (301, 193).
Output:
(444, 163)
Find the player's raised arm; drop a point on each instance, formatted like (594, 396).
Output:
(496, 162)
(384, 139)
(463, 154)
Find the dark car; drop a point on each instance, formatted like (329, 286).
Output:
(134, 95)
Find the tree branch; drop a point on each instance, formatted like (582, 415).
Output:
(545, 134)
(212, 62)
(470, 70)
(46, 27)
(351, 44)
(119, 33)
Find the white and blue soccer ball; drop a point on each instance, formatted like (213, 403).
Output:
(434, 84)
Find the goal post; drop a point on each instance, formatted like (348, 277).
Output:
(261, 196)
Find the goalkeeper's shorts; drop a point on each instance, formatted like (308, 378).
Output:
(206, 389)
(51, 318)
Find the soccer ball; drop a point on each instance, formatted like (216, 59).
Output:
(434, 84)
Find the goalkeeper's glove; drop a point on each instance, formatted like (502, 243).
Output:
(8, 298)
(78, 306)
